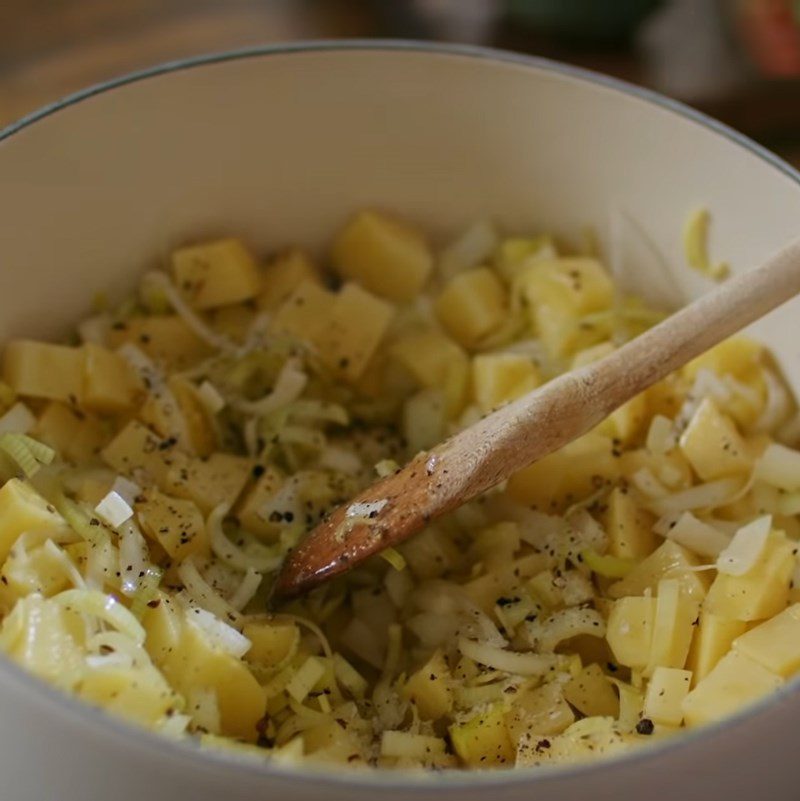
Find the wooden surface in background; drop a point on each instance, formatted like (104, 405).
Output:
(50, 48)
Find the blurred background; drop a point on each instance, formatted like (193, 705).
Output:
(739, 60)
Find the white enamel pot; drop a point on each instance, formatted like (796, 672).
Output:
(279, 145)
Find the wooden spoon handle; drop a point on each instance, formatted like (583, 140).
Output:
(533, 426)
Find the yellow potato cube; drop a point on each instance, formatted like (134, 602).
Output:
(216, 273)
(562, 333)
(78, 437)
(483, 741)
(673, 626)
(42, 370)
(574, 472)
(137, 694)
(501, 377)
(430, 688)
(735, 682)
(630, 630)
(516, 254)
(165, 338)
(257, 497)
(713, 445)
(109, 384)
(576, 283)
(356, 325)
(210, 482)
(736, 356)
(712, 640)
(761, 592)
(775, 644)
(199, 428)
(305, 314)
(234, 321)
(195, 665)
(629, 528)
(666, 691)
(472, 305)
(591, 693)
(46, 646)
(385, 256)
(273, 642)
(541, 711)
(36, 571)
(668, 561)
(436, 362)
(283, 275)
(163, 624)
(23, 509)
(175, 524)
(139, 453)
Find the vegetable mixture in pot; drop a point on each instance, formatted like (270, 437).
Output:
(157, 469)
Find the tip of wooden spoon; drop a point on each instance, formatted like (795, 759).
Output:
(385, 514)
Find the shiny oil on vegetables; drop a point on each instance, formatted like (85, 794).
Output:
(157, 468)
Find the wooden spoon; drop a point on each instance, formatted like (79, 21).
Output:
(514, 436)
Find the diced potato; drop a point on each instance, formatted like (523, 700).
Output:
(564, 334)
(273, 642)
(431, 554)
(197, 423)
(356, 325)
(436, 362)
(713, 445)
(501, 377)
(578, 285)
(584, 741)
(629, 528)
(483, 741)
(164, 338)
(109, 384)
(195, 665)
(305, 314)
(626, 422)
(210, 482)
(516, 254)
(140, 454)
(175, 524)
(673, 626)
(78, 437)
(666, 690)
(430, 688)
(591, 693)
(47, 646)
(137, 694)
(234, 321)
(712, 640)
(216, 273)
(23, 509)
(735, 356)
(668, 561)
(472, 305)
(35, 571)
(257, 497)
(487, 589)
(574, 472)
(283, 275)
(775, 644)
(735, 682)
(541, 711)
(41, 370)
(761, 592)
(630, 630)
(163, 624)
(385, 256)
